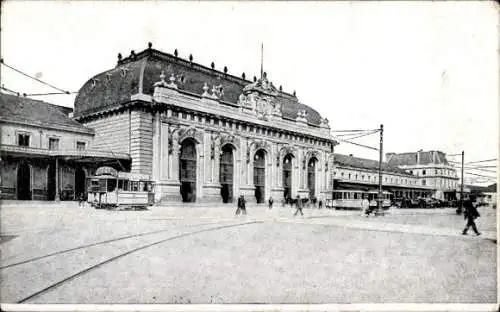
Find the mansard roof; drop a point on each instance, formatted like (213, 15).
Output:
(417, 158)
(37, 113)
(138, 73)
(364, 163)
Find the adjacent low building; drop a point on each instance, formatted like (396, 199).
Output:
(363, 174)
(45, 155)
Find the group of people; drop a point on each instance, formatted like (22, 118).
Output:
(299, 204)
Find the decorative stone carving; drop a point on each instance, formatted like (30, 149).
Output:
(214, 137)
(324, 123)
(190, 132)
(255, 146)
(217, 92)
(205, 90)
(229, 138)
(172, 82)
(162, 82)
(260, 98)
(172, 137)
(285, 150)
(301, 116)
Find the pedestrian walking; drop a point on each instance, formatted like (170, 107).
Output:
(320, 204)
(365, 205)
(81, 200)
(470, 214)
(271, 203)
(241, 206)
(299, 206)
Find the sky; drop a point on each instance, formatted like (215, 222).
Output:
(428, 71)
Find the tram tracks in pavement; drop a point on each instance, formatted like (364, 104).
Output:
(59, 252)
(59, 282)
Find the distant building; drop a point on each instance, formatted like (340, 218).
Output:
(490, 193)
(45, 155)
(432, 169)
(363, 174)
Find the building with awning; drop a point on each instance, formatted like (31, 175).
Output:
(45, 154)
(355, 173)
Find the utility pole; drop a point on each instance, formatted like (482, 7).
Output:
(462, 187)
(381, 155)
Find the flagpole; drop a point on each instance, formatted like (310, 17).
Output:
(261, 60)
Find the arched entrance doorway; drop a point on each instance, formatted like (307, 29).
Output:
(226, 174)
(80, 183)
(311, 177)
(24, 182)
(287, 176)
(51, 182)
(187, 170)
(259, 175)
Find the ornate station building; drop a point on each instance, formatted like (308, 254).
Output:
(205, 135)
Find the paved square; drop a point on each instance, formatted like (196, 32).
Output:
(189, 254)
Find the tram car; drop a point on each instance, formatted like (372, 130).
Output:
(352, 199)
(346, 199)
(112, 189)
(373, 196)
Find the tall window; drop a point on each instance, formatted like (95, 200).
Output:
(80, 146)
(23, 139)
(423, 172)
(53, 144)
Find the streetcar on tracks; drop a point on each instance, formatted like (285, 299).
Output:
(112, 189)
(353, 199)
(373, 199)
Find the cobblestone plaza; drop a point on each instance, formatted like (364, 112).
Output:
(207, 255)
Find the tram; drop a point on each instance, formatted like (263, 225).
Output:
(353, 199)
(112, 189)
(373, 197)
(346, 199)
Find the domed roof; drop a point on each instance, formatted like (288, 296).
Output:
(138, 73)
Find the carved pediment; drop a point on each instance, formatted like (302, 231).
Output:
(263, 86)
(190, 132)
(229, 139)
(260, 98)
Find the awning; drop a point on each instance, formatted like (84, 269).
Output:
(68, 155)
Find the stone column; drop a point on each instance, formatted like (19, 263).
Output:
(157, 148)
(164, 156)
(168, 189)
(57, 180)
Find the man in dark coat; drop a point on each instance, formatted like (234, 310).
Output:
(241, 205)
(299, 206)
(470, 214)
(271, 203)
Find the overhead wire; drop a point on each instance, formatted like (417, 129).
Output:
(9, 90)
(362, 135)
(34, 78)
(480, 161)
(479, 175)
(356, 130)
(49, 93)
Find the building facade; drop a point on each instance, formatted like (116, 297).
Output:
(45, 155)
(363, 174)
(432, 168)
(205, 135)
